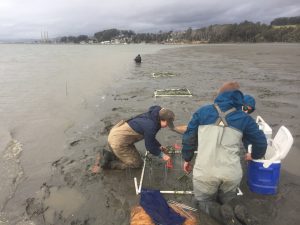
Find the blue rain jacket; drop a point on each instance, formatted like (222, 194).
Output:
(238, 120)
(148, 124)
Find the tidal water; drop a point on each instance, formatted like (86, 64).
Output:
(45, 90)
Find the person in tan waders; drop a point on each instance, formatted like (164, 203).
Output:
(122, 152)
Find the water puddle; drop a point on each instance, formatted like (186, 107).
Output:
(64, 200)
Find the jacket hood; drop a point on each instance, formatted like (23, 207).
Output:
(228, 99)
(250, 101)
(153, 113)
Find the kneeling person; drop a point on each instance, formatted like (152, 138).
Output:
(125, 134)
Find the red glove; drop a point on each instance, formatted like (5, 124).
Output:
(169, 164)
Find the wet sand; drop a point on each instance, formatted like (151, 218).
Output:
(270, 72)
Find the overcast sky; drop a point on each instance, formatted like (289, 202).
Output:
(28, 18)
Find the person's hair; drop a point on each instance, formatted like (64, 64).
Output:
(229, 86)
(167, 115)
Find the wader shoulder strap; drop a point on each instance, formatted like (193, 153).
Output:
(221, 121)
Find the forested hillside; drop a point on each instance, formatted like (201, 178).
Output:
(285, 29)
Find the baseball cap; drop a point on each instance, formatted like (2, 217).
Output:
(168, 115)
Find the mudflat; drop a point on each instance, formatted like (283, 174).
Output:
(269, 72)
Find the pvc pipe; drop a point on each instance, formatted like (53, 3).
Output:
(136, 186)
(143, 171)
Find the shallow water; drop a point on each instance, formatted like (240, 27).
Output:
(44, 91)
(57, 202)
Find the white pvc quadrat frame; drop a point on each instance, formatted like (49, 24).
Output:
(189, 94)
(138, 187)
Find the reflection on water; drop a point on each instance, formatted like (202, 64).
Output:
(44, 91)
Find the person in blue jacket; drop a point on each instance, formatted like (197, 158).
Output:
(248, 107)
(125, 134)
(215, 132)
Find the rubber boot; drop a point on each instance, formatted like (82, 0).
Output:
(228, 217)
(241, 213)
(106, 159)
(211, 208)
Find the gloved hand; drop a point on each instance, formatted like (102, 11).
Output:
(187, 167)
(164, 149)
(165, 157)
(169, 164)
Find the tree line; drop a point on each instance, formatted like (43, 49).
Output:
(286, 21)
(286, 29)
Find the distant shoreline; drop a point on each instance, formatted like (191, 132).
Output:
(187, 44)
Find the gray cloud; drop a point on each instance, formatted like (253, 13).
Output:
(28, 18)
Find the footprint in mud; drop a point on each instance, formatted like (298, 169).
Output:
(76, 142)
(276, 104)
(118, 204)
(34, 206)
(264, 93)
(124, 110)
(35, 210)
(107, 126)
(119, 98)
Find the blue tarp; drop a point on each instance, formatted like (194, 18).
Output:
(158, 209)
